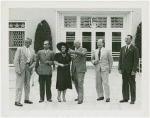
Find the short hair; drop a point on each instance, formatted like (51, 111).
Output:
(29, 39)
(101, 40)
(130, 36)
(47, 41)
(77, 41)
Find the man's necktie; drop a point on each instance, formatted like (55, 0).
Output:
(99, 54)
(28, 54)
(127, 49)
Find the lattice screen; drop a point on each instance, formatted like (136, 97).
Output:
(116, 22)
(16, 38)
(16, 24)
(87, 22)
(70, 22)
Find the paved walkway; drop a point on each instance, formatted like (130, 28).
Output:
(90, 96)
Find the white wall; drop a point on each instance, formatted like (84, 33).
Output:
(33, 16)
(137, 18)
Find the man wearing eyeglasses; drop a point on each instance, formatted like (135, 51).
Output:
(44, 62)
(24, 62)
(128, 62)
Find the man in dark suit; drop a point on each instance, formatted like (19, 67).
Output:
(44, 70)
(79, 69)
(128, 62)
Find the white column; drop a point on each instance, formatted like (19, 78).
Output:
(131, 21)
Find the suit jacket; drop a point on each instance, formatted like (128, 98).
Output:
(79, 61)
(20, 59)
(42, 67)
(105, 62)
(128, 61)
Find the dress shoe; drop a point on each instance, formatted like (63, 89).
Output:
(76, 99)
(100, 98)
(122, 101)
(108, 100)
(18, 104)
(132, 102)
(80, 102)
(28, 102)
(49, 100)
(41, 101)
(59, 100)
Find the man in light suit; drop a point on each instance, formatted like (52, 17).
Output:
(79, 68)
(24, 62)
(103, 61)
(128, 62)
(45, 60)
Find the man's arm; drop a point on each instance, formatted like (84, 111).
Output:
(136, 60)
(82, 53)
(110, 59)
(17, 61)
(120, 60)
(37, 60)
(34, 60)
(51, 62)
(93, 58)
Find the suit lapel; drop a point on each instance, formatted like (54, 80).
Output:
(31, 53)
(129, 50)
(24, 50)
(102, 53)
(47, 54)
(43, 53)
(75, 56)
(124, 52)
(97, 58)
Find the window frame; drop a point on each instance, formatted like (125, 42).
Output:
(16, 29)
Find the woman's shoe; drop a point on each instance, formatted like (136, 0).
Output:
(64, 100)
(59, 100)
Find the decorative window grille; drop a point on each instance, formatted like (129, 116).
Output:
(70, 22)
(116, 45)
(86, 43)
(16, 24)
(16, 38)
(93, 22)
(70, 37)
(116, 22)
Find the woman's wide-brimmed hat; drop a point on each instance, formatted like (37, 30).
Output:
(59, 45)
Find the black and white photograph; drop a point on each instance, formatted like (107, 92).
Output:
(75, 57)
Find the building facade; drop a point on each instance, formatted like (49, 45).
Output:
(70, 24)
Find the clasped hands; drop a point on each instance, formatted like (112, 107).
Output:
(63, 65)
(132, 73)
(30, 68)
(97, 61)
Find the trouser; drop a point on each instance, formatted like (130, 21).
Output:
(78, 81)
(102, 81)
(23, 79)
(45, 79)
(128, 80)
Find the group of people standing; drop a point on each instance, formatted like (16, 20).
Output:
(72, 66)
